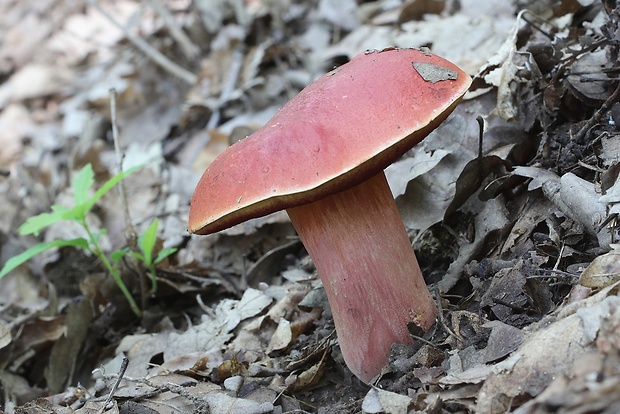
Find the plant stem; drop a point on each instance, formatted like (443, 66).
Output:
(111, 269)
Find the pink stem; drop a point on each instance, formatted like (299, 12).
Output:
(361, 250)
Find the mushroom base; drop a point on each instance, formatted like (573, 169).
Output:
(373, 282)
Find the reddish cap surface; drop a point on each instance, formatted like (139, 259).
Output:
(340, 130)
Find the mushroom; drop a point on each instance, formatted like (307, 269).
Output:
(321, 157)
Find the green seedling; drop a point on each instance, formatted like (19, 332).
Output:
(146, 243)
(83, 203)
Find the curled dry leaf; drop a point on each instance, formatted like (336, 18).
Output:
(579, 200)
(308, 378)
(500, 71)
(472, 177)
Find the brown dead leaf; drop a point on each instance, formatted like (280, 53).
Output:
(25, 31)
(490, 221)
(400, 173)
(304, 321)
(416, 9)
(537, 210)
(602, 272)
(308, 378)
(67, 349)
(472, 177)
(611, 150)
(545, 355)
(428, 195)
(587, 79)
(500, 71)
(341, 13)
(502, 341)
(222, 402)
(39, 333)
(538, 175)
(206, 338)
(34, 81)
(230, 368)
(43, 406)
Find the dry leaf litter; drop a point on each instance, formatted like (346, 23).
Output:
(516, 234)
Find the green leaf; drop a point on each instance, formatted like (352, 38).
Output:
(22, 258)
(117, 255)
(147, 241)
(108, 185)
(86, 206)
(137, 256)
(163, 253)
(60, 209)
(34, 224)
(82, 182)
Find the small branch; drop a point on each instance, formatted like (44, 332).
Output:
(152, 53)
(187, 46)
(131, 233)
(598, 115)
(202, 406)
(121, 373)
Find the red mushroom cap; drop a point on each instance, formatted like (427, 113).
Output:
(340, 130)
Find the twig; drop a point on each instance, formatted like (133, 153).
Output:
(598, 115)
(480, 122)
(121, 373)
(442, 320)
(202, 406)
(131, 233)
(152, 53)
(426, 341)
(187, 46)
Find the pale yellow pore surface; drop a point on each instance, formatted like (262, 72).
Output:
(370, 273)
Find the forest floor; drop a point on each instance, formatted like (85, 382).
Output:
(515, 232)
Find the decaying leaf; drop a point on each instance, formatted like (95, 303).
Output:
(578, 199)
(491, 221)
(5, 335)
(472, 177)
(602, 272)
(402, 172)
(500, 71)
(428, 195)
(381, 401)
(237, 349)
(207, 337)
(546, 353)
(66, 350)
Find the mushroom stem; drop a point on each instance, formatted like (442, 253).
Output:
(373, 282)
